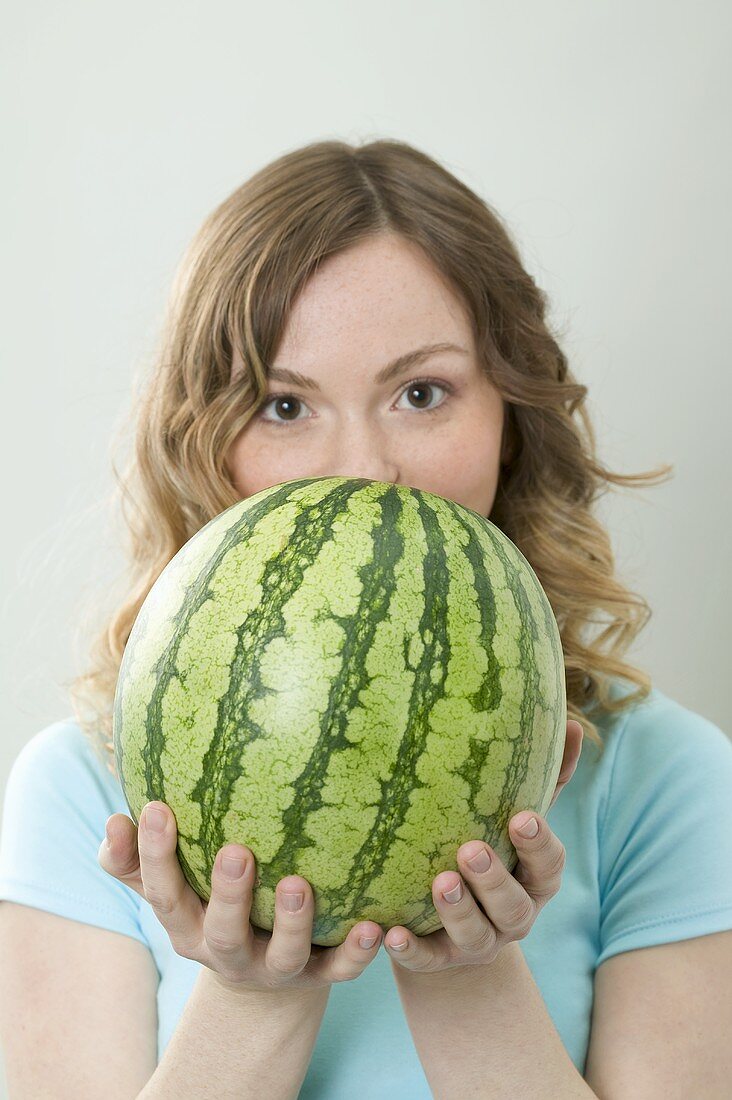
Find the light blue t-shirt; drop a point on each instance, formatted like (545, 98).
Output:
(647, 828)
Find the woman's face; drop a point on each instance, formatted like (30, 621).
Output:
(436, 424)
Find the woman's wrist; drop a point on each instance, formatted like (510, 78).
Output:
(237, 992)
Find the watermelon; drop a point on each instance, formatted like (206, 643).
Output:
(352, 678)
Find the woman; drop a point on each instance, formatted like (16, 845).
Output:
(359, 311)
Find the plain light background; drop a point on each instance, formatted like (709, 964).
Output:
(598, 130)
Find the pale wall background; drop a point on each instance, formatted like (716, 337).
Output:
(598, 130)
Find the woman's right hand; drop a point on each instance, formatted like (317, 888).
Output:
(218, 933)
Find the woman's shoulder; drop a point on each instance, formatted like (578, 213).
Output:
(660, 724)
(664, 826)
(60, 739)
(61, 761)
(659, 753)
(56, 803)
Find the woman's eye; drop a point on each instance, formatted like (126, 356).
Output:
(423, 389)
(287, 406)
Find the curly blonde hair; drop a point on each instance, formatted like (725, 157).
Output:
(231, 297)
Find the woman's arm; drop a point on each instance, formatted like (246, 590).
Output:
(487, 1033)
(231, 1044)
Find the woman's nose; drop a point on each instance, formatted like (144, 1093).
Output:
(358, 450)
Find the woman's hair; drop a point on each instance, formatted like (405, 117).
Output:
(233, 292)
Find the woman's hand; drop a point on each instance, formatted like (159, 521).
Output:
(218, 933)
(510, 902)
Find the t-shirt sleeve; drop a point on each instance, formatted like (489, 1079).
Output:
(666, 833)
(57, 801)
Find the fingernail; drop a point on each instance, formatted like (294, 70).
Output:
(530, 828)
(480, 862)
(398, 946)
(154, 820)
(233, 866)
(453, 895)
(367, 941)
(293, 902)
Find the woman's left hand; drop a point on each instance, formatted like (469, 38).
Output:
(471, 937)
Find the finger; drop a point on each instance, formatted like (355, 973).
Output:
(572, 750)
(472, 929)
(570, 759)
(176, 905)
(118, 854)
(346, 961)
(433, 952)
(290, 950)
(507, 905)
(541, 858)
(289, 947)
(226, 928)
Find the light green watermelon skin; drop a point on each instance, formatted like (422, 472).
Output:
(352, 678)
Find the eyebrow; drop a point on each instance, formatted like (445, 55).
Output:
(392, 370)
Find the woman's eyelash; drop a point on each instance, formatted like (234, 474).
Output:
(410, 385)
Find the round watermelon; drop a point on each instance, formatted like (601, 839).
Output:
(352, 678)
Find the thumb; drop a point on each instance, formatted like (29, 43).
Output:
(118, 853)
